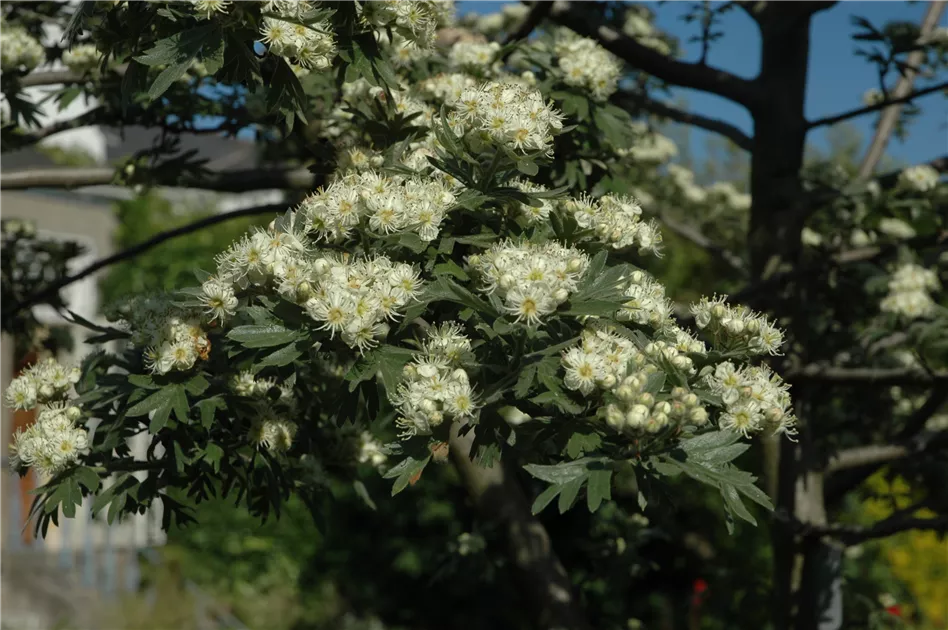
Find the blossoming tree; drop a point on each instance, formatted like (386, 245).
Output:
(465, 273)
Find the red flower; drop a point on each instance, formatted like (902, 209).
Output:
(895, 610)
(700, 586)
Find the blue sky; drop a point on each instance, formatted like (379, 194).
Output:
(837, 77)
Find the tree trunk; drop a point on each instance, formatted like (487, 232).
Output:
(543, 579)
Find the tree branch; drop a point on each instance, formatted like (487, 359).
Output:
(48, 292)
(832, 120)
(91, 117)
(702, 241)
(497, 494)
(899, 522)
(865, 376)
(624, 99)
(891, 115)
(223, 181)
(538, 11)
(58, 77)
(691, 75)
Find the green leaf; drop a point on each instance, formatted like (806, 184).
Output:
(212, 53)
(167, 77)
(145, 381)
(179, 401)
(363, 494)
(545, 498)
(568, 494)
(153, 402)
(197, 385)
(599, 488)
(451, 268)
(212, 455)
(525, 381)
(281, 357)
(88, 478)
(160, 418)
(562, 472)
(734, 504)
(207, 408)
(527, 167)
(581, 443)
(446, 289)
(405, 472)
(254, 336)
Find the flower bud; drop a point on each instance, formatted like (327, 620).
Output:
(615, 418)
(682, 363)
(678, 392)
(304, 291)
(645, 399)
(662, 407)
(506, 281)
(753, 326)
(459, 375)
(74, 375)
(718, 311)
(435, 418)
(574, 265)
(474, 260)
(46, 392)
(383, 330)
(625, 393)
(690, 400)
(73, 413)
(409, 370)
(321, 266)
(733, 326)
(637, 416)
(656, 422)
(608, 381)
(637, 277)
(560, 295)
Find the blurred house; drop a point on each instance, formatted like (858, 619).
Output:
(84, 560)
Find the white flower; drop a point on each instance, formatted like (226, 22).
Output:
(921, 178)
(21, 393)
(616, 221)
(585, 64)
(582, 370)
(82, 58)
(19, 50)
(473, 55)
(207, 8)
(896, 228)
(272, 432)
(736, 327)
(370, 451)
(219, 299)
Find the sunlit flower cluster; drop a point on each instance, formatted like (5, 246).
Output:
(896, 228)
(355, 297)
(207, 8)
(173, 337)
(414, 21)
(507, 114)
(616, 221)
(82, 58)
(42, 383)
(358, 158)
(755, 399)
(631, 378)
(387, 204)
(531, 279)
(873, 96)
(473, 56)
(910, 289)
(736, 327)
(53, 442)
(641, 30)
(311, 46)
(370, 451)
(585, 64)
(19, 50)
(261, 257)
(434, 387)
(647, 303)
(921, 178)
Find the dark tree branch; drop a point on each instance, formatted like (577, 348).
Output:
(627, 100)
(91, 117)
(538, 11)
(224, 181)
(838, 485)
(708, 79)
(865, 376)
(832, 120)
(498, 496)
(702, 241)
(50, 291)
(890, 116)
(901, 521)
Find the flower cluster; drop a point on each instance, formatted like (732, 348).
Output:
(616, 221)
(271, 431)
(736, 328)
(727, 194)
(910, 290)
(641, 30)
(308, 45)
(873, 96)
(473, 56)
(42, 383)
(684, 180)
(755, 399)
(247, 385)
(510, 115)
(370, 451)
(53, 442)
(649, 146)
(587, 65)
(434, 386)
(83, 58)
(613, 365)
(207, 8)
(388, 204)
(416, 22)
(354, 298)
(921, 178)
(173, 337)
(531, 279)
(446, 87)
(535, 214)
(19, 50)
(647, 303)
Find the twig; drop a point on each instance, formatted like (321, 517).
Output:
(832, 120)
(891, 115)
(225, 181)
(626, 99)
(709, 79)
(538, 11)
(48, 292)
